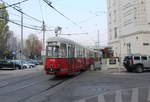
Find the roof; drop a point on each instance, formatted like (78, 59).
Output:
(61, 40)
(64, 40)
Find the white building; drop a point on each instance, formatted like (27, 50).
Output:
(129, 26)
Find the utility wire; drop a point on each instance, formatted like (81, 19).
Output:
(50, 4)
(20, 16)
(74, 34)
(11, 21)
(14, 4)
(27, 24)
(24, 13)
(30, 24)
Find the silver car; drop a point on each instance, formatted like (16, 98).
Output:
(136, 63)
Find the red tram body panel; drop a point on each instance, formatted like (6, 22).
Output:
(64, 56)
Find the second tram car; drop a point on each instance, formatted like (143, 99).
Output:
(64, 56)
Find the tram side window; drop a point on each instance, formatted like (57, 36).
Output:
(83, 52)
(77, 52)
(80, 52)
(49, 51)
(63, 50)
(71, 52)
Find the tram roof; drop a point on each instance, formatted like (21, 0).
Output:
(64, 40)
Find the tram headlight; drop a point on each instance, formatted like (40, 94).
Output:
(59, 65)
(51, 66)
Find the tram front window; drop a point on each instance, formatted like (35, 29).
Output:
(52, 51)
(63, 51)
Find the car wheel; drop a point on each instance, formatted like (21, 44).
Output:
(24, 67)
(17, 68)
(139, 69)
(30, 66)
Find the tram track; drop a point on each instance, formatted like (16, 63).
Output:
(31, 85)
(71, 78)
(25, 78)
(44, 90)
(19, 86)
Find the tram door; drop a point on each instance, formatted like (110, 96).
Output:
(71, 54)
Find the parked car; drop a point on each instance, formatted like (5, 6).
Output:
(35, 62)
(23, 64)
(5, 63)
(136, 63)
(28, 64)
(9, 64)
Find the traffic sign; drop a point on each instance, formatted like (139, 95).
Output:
(14, 52)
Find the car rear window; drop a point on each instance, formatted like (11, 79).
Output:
(144, 58)
(136, 58)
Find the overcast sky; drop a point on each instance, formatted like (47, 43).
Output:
(90, 16)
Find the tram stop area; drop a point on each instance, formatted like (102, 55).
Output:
(106, 64)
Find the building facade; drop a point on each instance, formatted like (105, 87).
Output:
(129, 26)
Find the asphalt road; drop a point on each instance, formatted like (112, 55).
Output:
(32, 85)
(21, 85)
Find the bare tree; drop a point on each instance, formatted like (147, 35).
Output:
(33, 46)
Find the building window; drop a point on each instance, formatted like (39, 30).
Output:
(115, 31)
(146, 44)
(110, 34)
(129, 48)
(110, 18)
(115, 16)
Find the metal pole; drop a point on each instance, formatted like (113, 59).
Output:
(98, 43)
(120, 59)
(98, 37)
(44, 29)
(21, 39)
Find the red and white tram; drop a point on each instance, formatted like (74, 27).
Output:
(64, 56)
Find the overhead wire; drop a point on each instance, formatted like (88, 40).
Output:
(14, 4)
(50, 4)
(11, 21)
(20, 16)
(23, 13)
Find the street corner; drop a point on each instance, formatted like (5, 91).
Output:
(39, 67)
(127, 95)
(112, 70)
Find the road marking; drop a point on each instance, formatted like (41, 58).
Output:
(81, 100)
(135, 95)
(101, 98)
(148, 98)
(118, 97)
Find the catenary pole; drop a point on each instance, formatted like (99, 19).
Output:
(21, 52)
(44, 49)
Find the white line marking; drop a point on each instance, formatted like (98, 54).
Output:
(83, 100)
(118, 97)
(101, 98)
(135, 95)
(148, 98)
